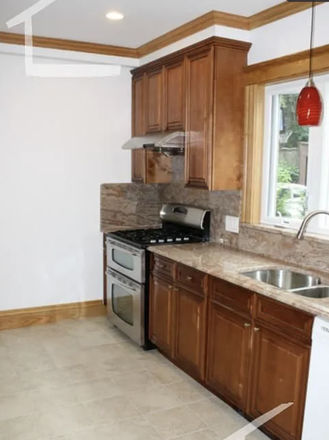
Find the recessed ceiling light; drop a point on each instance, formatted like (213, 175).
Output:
(114, 15)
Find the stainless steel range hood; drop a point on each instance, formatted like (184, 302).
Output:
(171, 144)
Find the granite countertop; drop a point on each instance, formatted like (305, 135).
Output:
(227, 264)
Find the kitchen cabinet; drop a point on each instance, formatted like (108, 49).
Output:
(279, 375)
(160, 313)
(178, 314)
(190, 330)
(200, 90)
(228, 354)
(154, 101)
(199, 79)
(146, 166)
(174, 96)
(138, 159)
(250, 350)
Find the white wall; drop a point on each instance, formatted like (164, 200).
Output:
(60, 139)
(289, 35)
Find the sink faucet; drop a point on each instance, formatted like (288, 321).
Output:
(303, 226)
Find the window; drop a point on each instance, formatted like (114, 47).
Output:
(296, 160)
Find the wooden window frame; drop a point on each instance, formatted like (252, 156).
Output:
(257, 77)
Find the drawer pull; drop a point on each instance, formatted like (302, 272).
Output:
(189, 278)
(256, 329)
(170, 287)
(162, 266)
(176, 289)
(247, 325)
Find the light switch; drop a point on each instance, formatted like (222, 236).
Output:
(232, 224)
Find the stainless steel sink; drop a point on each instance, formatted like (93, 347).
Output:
(283, 278)
(314, 292)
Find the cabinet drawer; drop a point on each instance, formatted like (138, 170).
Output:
(230, 296)
(163, 266)
(191, 278)
(286, 319)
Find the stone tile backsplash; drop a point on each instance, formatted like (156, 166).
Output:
(138, 206)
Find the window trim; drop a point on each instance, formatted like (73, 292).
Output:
(318, 225)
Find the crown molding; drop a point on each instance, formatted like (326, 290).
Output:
(70, 45)
(186, 30)
(278, 12)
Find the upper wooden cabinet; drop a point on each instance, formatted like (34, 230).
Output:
(200, 90)
(174, 96)
(199, 79)
(154, 101)
(147, 166)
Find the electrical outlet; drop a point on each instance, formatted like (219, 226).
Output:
(232, 224)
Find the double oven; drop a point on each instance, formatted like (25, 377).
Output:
(126, 289)
(128, 263)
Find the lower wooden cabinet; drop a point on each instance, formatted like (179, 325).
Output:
(251, 351)
(190, 331)
(160, 313)
(279, 375)
(228, 354)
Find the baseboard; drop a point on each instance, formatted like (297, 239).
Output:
(11, 319)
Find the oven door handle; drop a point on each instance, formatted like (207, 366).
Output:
(125, 248)
(121, 284)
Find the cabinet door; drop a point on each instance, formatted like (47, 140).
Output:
(174, 96)
(229, 337)
(190, 335)
(160, 313)
(154, 101)
(280, 371)
(199, 109)
(138, 128)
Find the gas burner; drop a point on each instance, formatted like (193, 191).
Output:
(157, 236)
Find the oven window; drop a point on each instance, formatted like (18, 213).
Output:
(122, 304)
(122, 259)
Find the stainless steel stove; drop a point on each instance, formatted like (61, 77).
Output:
(128, 265)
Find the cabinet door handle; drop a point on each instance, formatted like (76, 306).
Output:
(257, 329)
(247, 325)
(189, 278)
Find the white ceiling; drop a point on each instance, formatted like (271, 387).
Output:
(145, 20)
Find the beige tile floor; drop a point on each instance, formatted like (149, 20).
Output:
(83, 380)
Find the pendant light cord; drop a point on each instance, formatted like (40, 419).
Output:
(312, 41)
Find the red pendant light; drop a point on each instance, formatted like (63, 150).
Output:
(309, 104)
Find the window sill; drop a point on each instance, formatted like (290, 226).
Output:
(288, 232)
